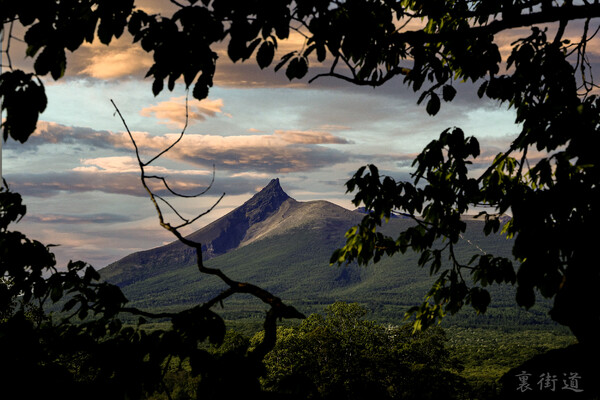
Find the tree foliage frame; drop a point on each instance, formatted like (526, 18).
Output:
(432, 45)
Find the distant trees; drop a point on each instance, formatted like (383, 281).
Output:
(343, 356)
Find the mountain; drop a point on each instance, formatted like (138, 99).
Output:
(268, 213)
(284, 246)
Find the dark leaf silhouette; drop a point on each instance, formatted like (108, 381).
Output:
(547, 81)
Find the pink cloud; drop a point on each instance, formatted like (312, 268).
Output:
(282, 151)
(127, 164)
(115, 63)
(309, 137)
(172, 112)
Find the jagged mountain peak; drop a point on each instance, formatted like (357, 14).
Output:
(229, 231)
(273, 185)
(264, 202)
(272, 192)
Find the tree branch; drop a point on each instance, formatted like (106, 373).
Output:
(277, 308)
(553, 14)
(561, 14)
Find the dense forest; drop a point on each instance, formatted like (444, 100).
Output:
(341, 353)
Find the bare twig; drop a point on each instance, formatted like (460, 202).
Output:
(178, 139)
(164, 181)
(178, 4)
(8, 42)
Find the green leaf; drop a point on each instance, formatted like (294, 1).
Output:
(171, 81)
(480, 299)
(251, 47)
(44, 62)
(69, 304)
(201, 89)
(56, 293)
(36, 38)
(482, 89)
(23, 99)
(105, 30)
(236, 49)
(91, 275)
(321, 53)
(60, 65)
(157, 86)
(525, 296)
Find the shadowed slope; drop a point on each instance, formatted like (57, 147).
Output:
(218, 237)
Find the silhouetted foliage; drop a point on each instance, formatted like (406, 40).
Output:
(85, 351)
(343, 356)
(552, 198)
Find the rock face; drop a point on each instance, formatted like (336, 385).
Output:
(232, 228)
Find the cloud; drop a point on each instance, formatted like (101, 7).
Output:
(255, 175)
(117, 164)
(58, 134)
(54, 183)
(48, 184)
(310, 137)
(115, 62)
(157, 7)
(54, 133)
(172, 112)
(281, 152)
(128, 164)
(103, 218)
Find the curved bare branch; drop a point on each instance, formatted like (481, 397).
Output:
(277, 308)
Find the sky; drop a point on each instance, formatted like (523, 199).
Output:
(80, 181)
